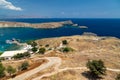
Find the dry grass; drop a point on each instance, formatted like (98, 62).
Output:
(78, 75)
(86, 48)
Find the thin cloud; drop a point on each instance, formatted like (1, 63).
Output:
(8, 5)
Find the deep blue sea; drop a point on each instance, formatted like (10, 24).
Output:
(102, 27)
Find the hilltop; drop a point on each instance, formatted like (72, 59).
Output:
(67, 57)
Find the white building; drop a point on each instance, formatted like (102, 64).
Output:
(9, 54)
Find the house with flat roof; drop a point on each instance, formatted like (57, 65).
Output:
(9, 54)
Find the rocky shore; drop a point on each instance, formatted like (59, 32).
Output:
(36, 25)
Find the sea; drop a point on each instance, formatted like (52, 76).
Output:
(101, 27)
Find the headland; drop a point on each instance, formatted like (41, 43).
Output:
(5, 24)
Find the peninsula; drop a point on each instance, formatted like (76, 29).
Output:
(4, 24)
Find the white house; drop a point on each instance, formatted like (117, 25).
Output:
(9, 54)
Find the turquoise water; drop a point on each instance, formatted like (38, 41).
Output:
(102, 27)
(25, 34)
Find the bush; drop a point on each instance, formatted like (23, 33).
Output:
(118, 77)
(21, 55)
(42, 50)
(11, 70)
(26, 54)
(47, 45)
(1, 53)
(34, 49)
(96, 68)
(64, 42)
(67, 49)
(2, 59)
(2, 70)
(32, 43)
(24, 66)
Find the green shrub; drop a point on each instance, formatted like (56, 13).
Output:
(22, 55)
(24, 66)
(1, 53)
(96, 68)
(2, 70)
(34, 49)
(42, 50)
(11, 70)
(26, 54)
(2, 59)
(47, 45)
(64, 42)
(32, 43)
(66, 49)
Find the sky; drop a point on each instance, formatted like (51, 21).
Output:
(59, 8)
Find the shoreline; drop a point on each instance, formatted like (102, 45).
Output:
(5, 24)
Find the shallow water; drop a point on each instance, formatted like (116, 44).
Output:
(102, 27)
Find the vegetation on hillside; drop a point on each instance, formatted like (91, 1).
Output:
(42, 50)
(2, 70)
(118, 77)
(97, 68)
(23, 66)
(22, 55)
(64, 42)
(66, 49)
(11, 70)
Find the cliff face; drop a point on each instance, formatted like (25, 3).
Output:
(38, 25)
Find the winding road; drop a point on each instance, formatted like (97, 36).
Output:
(51, 61)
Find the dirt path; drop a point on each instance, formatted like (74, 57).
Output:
(52, 61)
(61, 70)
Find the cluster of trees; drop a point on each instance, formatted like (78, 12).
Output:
(22, 55)
(12, 71)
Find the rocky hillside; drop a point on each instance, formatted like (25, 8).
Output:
(37, 25)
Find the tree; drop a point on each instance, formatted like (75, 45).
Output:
(67, 49)
(26, 54)
(1, 53)
(2, 70)
(32, 43)
(11, 70)
(47, 45)
(96, 68)
(42, 50)
(118, 77)
(24, 66)
(22, 55)
(34, 49)
(64, 42)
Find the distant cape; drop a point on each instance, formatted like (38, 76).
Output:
(4, 24)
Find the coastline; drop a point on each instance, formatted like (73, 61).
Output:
(5, 24)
